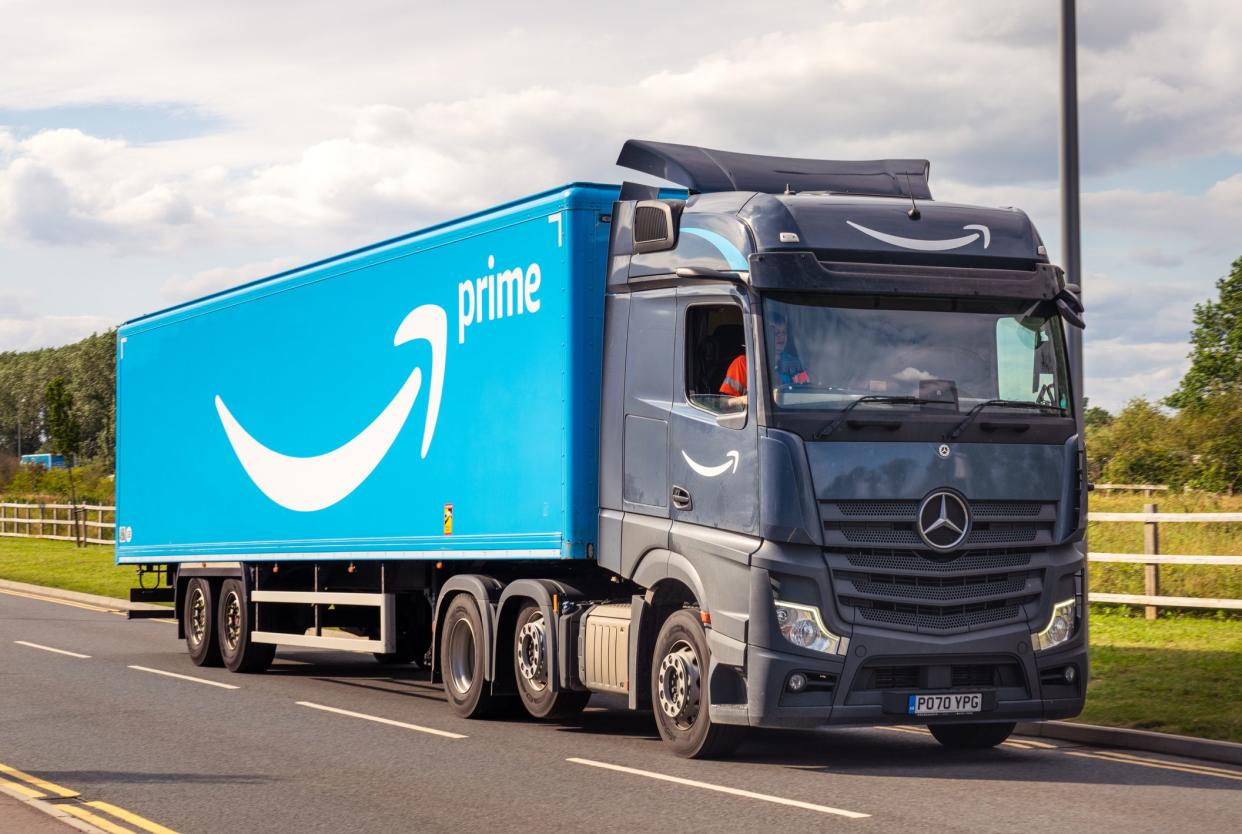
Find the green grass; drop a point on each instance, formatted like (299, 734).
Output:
(1223, 582)
(61, 565)
(1178, 674)
(1173, 675)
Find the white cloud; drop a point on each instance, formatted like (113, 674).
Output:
(208, 281)
(47, 331)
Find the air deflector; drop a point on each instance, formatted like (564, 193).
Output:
(704, 170)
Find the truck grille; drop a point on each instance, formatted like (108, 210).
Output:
(941, 675)
(891, 524)
(914, 591)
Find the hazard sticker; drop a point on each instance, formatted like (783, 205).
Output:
(448, 519)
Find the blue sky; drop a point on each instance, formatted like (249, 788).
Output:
(150, 152)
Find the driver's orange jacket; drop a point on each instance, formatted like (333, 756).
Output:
(734, 384)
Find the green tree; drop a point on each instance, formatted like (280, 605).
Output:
(1142, 445)
(1216, 346)
(1214, 432)
(63, 426)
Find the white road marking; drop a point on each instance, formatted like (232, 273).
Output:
(184, 677)
(50, 649)
(778, 800)
(378, 720)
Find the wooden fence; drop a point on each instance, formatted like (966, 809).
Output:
(81, 523)
(1151, 558)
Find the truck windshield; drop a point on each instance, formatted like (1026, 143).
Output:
(825, 352)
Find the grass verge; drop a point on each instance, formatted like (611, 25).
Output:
(61, 565)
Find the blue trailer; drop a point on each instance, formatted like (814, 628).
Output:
(46, 460)
(794, 446)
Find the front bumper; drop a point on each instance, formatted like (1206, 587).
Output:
(845, 690)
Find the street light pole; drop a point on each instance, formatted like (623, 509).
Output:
(1070, 241)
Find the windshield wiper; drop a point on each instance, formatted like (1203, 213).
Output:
(974, 412)
(873, 398)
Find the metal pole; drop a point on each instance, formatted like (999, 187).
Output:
(1070, 243)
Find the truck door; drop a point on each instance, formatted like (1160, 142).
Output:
(712, 449)
(648, 395)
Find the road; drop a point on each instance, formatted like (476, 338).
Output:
(305, 748)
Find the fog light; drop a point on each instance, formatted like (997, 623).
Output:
(1070, 674)
(797, 682)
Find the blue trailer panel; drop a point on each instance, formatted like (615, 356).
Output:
(433, 396)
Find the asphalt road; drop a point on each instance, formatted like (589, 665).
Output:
(274, 753)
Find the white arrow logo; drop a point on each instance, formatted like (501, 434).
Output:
(929, 245)
(313, 483)
(712, 471)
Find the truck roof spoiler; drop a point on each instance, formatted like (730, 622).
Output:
(704, 170)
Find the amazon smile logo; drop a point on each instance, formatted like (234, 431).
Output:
(306, 484)
(929, 245)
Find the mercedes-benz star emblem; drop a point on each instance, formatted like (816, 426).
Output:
(944, 520)
(943, 450)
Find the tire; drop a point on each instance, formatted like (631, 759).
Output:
(679, 695)
(463, 652)
(198, 616)
(971, 736)
(532, 668)
(239, 652)
(413, 631)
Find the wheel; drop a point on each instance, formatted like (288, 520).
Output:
(198, 615)
(679, 695)
(971, 736)
(239, 652)
(413, 631)
(462, 655)
(532, 666)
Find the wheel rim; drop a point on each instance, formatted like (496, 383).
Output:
(198, 617)
(461, 656)
(532, 653)
(678, 683)
(232, 621)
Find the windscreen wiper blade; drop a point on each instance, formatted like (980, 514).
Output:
(872, 398)
(974, 412)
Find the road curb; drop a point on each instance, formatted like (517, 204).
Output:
(1227, 752)
(111, 603)
(49, 808)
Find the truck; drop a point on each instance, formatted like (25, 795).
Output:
(789, 445)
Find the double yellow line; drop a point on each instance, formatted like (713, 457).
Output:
(102, 815)
(1161, 764)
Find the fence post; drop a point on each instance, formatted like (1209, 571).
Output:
(1151, 573)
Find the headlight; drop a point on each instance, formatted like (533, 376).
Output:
(1060, 628)
(802, 626)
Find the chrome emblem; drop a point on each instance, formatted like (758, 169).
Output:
(944, 520)
(943, 450)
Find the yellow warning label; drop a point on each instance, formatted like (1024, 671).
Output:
(448, 519)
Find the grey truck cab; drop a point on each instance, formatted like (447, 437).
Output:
(838, 426)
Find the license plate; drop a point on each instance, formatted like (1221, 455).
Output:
(956, 703)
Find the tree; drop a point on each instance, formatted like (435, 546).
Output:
(1214, 432)
(1093, 416)
(1142, 445)
(1216, 346)
(64, 428)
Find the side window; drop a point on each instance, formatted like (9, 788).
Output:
(716, 370)
(1025, 363)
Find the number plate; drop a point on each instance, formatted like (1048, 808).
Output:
(954, 703)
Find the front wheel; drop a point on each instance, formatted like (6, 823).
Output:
(971, 736)
(239, 651)
(679, 691)
(532, 666)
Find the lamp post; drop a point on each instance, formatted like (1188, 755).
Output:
(1070, 227)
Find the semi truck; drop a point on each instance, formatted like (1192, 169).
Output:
(789, 445)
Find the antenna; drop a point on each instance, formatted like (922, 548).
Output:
(913, 213)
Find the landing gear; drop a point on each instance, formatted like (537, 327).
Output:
(971, 736)
(679, 691)
(413, 631)
(239, 652)
(532, 667)
(198, 617)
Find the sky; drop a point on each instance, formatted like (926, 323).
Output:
(151, 152)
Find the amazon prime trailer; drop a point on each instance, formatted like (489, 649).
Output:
(794, 445)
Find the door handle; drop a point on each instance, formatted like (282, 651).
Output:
(681, 498)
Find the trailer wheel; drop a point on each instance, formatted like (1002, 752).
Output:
(679, 694)
(971, 736)
(463, 653)
(240, 653)
(532, 666)
(198, 618)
